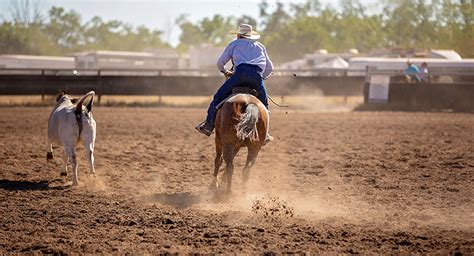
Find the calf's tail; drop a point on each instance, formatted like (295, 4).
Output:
(80, 102)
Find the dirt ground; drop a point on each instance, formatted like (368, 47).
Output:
(388, 182)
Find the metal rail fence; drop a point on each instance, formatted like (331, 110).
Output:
(169, 82)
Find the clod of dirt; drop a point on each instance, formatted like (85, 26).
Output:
(272, 207)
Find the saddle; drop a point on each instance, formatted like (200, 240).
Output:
(238, 90)
(244, 90)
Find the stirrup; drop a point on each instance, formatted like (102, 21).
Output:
(204, 129)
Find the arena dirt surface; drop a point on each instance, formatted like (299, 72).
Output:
(330, 183)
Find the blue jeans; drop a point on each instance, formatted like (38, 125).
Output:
(245, 75)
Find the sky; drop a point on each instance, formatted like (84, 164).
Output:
(156, 14)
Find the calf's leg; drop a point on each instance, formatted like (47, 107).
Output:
(66, 161)
(49, 154)
(69, 148)
(89, 146)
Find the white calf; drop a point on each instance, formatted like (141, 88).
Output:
(68, 123)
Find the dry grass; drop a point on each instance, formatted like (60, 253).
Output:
(24, 100)
(170, 101)
(311, 103)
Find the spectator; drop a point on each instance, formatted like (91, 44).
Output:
(412, 73)
(424, 73)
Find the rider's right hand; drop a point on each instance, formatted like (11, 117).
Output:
(228, 74)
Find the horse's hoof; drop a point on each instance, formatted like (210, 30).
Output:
(49, 156)
(63, 173)
(214, 186)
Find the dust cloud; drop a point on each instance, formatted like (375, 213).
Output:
(314, 100)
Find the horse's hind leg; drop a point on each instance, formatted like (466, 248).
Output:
(217, 165)
(229, 154)
(251, 159)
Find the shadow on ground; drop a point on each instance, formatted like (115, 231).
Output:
(185, 199)
(15, 185)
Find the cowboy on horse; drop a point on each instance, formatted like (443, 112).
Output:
(252, 66)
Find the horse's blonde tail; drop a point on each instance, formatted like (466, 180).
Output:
(247, 126)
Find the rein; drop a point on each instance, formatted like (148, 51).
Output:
(278, 105)
(268, 95)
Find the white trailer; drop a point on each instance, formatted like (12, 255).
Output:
(357, 65)
(13, 61)
(125, 60)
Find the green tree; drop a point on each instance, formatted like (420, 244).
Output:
(213, 30)
(303, 35)
(216, 30)
(457, 31)
(13, 39)
(353, 28)
(275, 21)
(288, 33)
(63, 32)
(191, 34)
(65, 29)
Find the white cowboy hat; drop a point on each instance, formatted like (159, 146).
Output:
(245, 30)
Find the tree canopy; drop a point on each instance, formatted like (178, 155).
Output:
(404, 24)
(288, 31)
(63, 32)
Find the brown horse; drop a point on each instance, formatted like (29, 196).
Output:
(242, 121)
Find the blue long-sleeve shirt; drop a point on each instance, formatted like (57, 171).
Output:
(248, 51)
(412, 69)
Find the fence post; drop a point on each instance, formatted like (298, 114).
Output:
(43, 84)
(366, 85)
(99, 86)
(160, 73)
